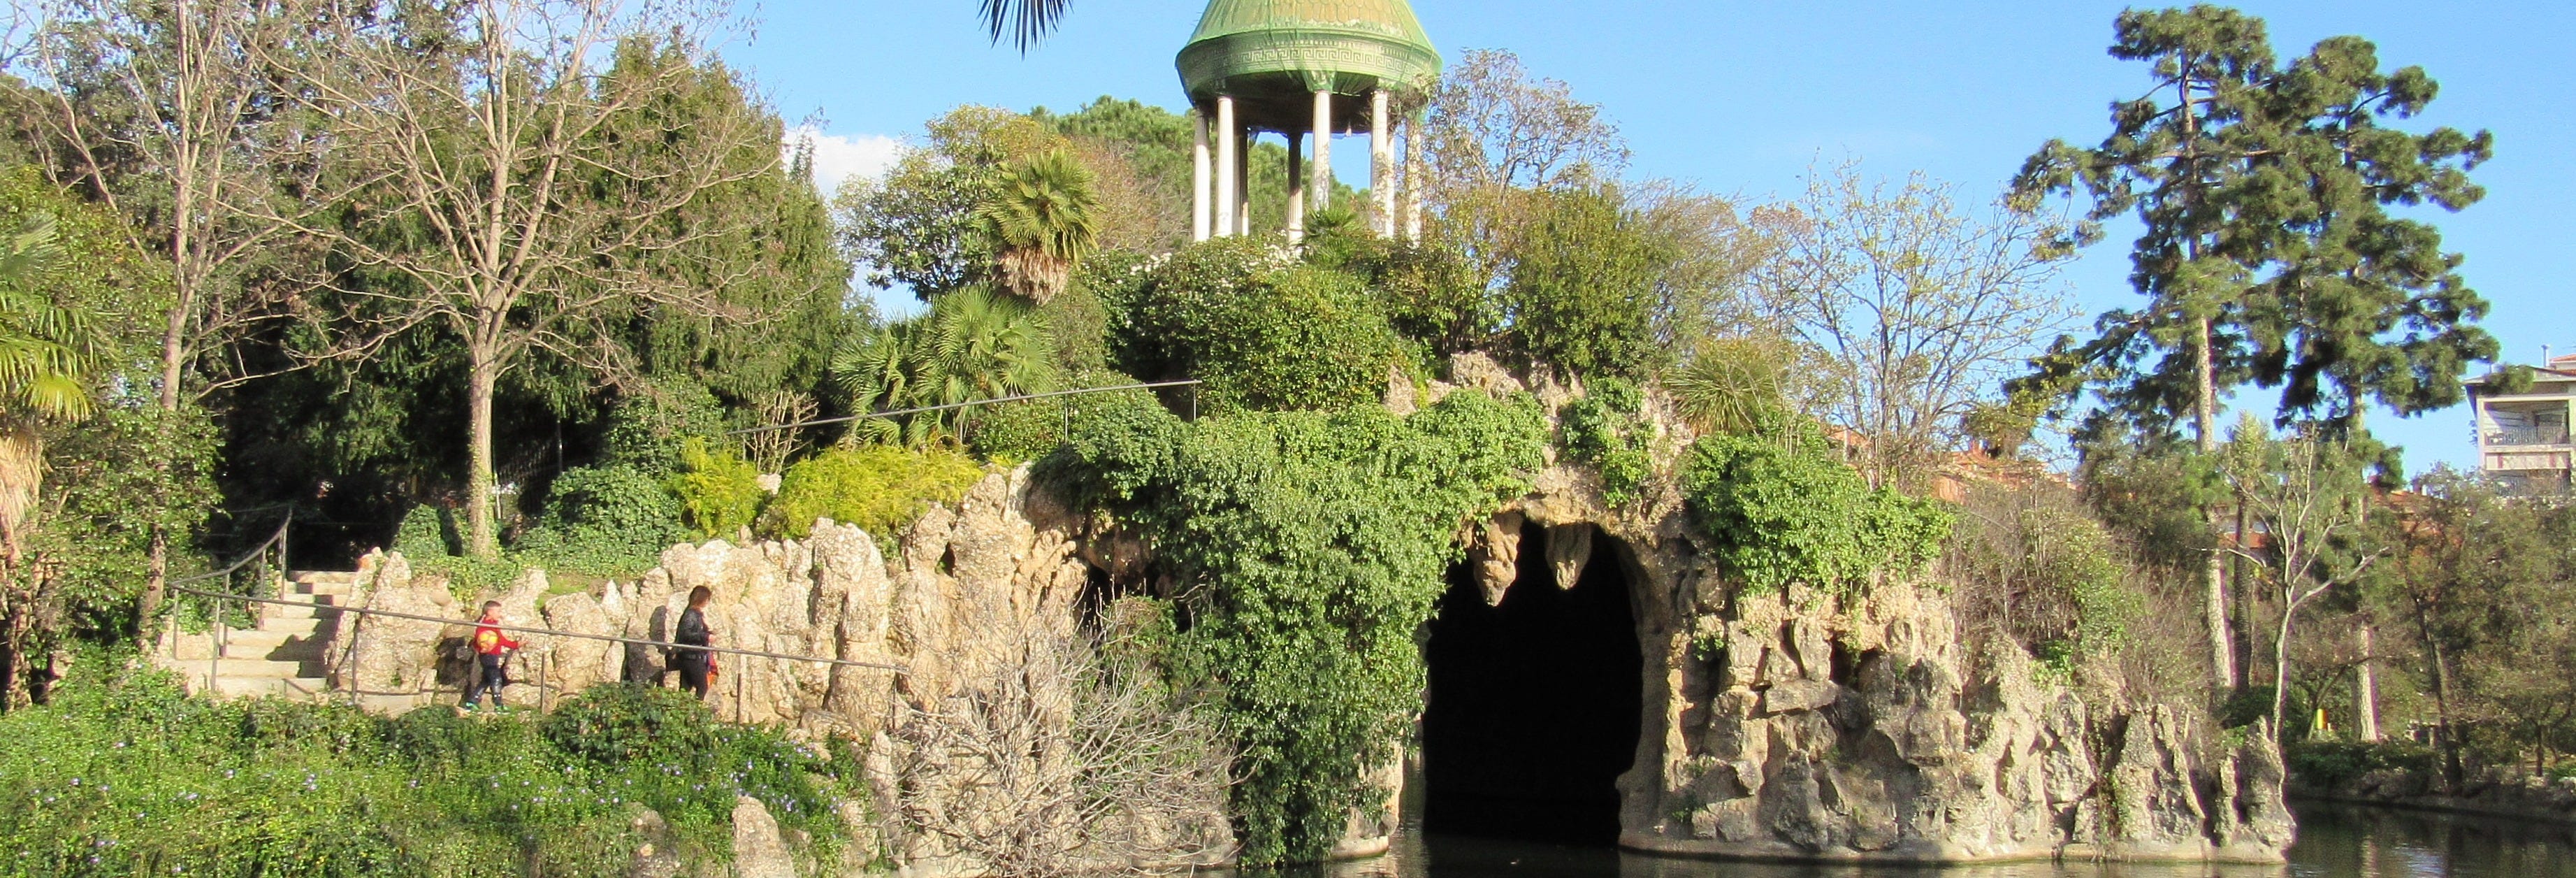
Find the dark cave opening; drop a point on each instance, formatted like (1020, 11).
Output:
(1533, 705)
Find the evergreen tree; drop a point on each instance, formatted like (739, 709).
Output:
(2267, 254)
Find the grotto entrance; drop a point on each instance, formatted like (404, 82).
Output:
(1532, 707)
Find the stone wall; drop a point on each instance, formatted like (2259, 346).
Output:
(968, 595)
(1802, 725)
(1788, 725)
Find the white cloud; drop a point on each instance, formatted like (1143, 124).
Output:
(840, 157)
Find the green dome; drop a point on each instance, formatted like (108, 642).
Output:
(1273, 54)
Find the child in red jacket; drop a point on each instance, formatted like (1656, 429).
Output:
(491, 653)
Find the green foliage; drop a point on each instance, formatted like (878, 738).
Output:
(1730, 385)
(1039, 217)
(2264, 204)
(426, 531)
(719, 491)
(609, 520)
(1581, 292)
(1017, 432)
(879, 488)
(649, 429)
(130, 469)
(1306, 549)
(1781, 508)
(1603, 428)
(1431, 296)
(1264, 332)
(2331, 765)
(2029, 563)
(129, 777)
(973, 345)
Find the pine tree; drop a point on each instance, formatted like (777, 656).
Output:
(2268, 256)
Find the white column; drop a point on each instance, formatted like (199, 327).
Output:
(1413, 182)
(1229, 158)
(1296, 193)
(1243, 183)
(1202, 222)
(1381, 165)
(1320, 178)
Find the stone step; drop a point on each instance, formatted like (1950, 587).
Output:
(298, 626)
(289, 651)
(271, 687)
(259, 668)
(295, 611)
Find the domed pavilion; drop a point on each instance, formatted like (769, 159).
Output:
(1300, 67)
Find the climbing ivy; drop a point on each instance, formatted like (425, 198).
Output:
(1781, 507)
(1306, 548)
(1604, 429)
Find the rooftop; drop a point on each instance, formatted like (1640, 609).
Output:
(1273, 55)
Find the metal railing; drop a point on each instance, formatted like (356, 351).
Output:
(218, 639)
(1067, 395)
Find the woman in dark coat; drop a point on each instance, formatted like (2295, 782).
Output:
(693, 664)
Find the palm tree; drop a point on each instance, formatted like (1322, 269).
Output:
(973, 345)
(1039, 219)
(47, 353)
(1729, 385)
(1025, 22)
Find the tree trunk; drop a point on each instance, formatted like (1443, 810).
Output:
(2366, 691)
(2445, 735)
(485, 372)
(2213, 575)
(2281, 662)
(2243, 639)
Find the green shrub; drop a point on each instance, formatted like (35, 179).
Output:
(427, 532)
(124, 775)
(2333, 764)
(1583, 284)
(719, 491)
(648, 429)
(1602, 428)
(879, 488)
(1017, 432)
(608, 520)
(1310, 549)
(1264, 332)
(1781, 508)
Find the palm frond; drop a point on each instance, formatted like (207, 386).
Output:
(1025, 22)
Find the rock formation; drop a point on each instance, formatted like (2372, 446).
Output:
(1791, 724)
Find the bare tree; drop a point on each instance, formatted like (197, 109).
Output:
(1911, 308)
(1495, 133)
(1049, 765)
(163, 111)
(2310, 503)
(527, 186)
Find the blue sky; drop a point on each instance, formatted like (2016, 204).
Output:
(1741, 97)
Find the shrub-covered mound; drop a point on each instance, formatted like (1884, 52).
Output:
(130, 777)
(1781, 507)
(879, 488)
(1306, 550)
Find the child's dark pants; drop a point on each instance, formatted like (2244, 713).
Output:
(490, 680)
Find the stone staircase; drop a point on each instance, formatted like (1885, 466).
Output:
(282, 657)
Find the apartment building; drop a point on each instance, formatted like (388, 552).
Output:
(2523, 437)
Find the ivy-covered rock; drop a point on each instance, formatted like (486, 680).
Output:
(1306, 549)
(1780, 507)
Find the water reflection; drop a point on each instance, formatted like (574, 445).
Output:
(2334, 842)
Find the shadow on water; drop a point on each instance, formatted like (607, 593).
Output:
(2335, 841)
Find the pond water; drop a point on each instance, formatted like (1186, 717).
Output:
(2335, 841)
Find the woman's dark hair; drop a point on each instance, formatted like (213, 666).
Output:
(699, 596)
